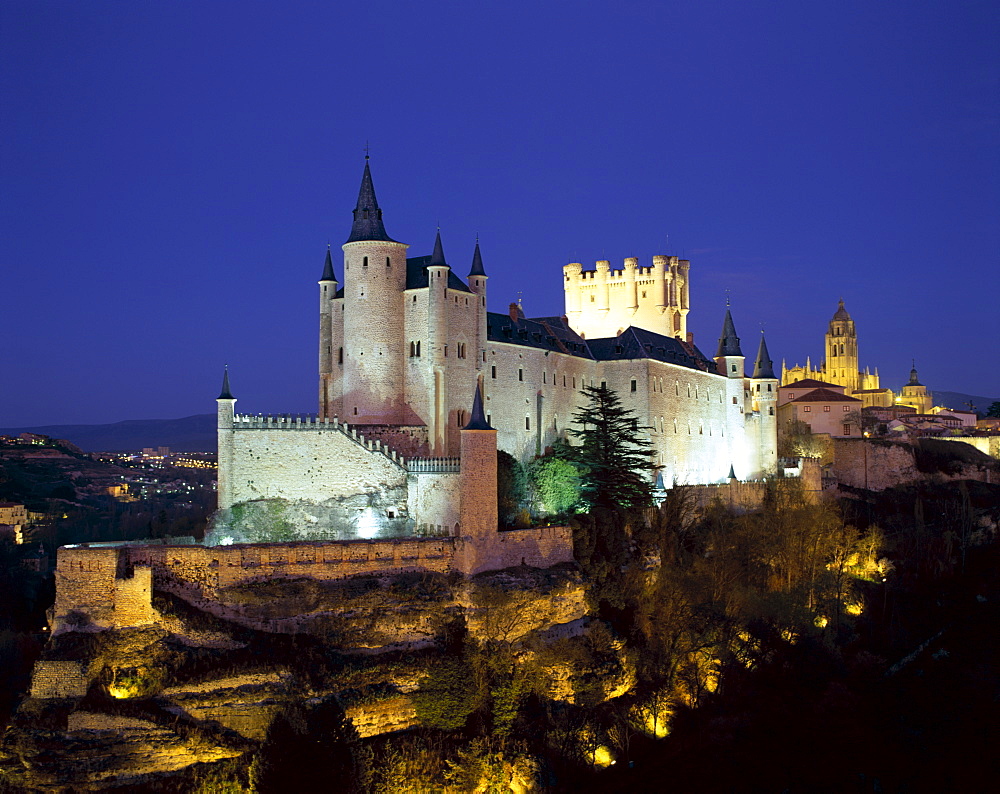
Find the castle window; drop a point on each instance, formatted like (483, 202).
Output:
(355, 410)
(675, 425)
(520, 374)
(460, 418)
(545, 376)
(770, 411)
(847, 408)
(574, 382)
(488, 416)
(841, 350)
(555, 422)
(644, 293)
(364, 262)
(734, 401)
(461, 349)
(446, 351)
(847, 430)
(677, 388)
(689, 389)
(591, 298)
(807, 408)
(340, 355)
(604, 384)
(413, 349)
(527, 423)
(564, 380)
(769, 387)
(734, 368)
(826, 409)
(493, 372)
(633, 386)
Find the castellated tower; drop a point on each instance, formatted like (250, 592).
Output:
(226, 405)
(374, 278)
(604, 302)
(764, 394)
(478, 517)
(842, 350)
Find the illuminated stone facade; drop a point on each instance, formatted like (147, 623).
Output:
(403, 343)
(840, 366)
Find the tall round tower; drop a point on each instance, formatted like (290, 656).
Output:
(374, 280)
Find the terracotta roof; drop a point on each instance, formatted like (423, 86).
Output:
(870, 391)
(810, 383)
(824, 396)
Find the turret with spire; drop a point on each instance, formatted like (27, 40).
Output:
(477, 283)
(763, 367)
(327, 340)
(729, 357)
(438, 272)
(367, 214)
(367, 351)
(225, 414)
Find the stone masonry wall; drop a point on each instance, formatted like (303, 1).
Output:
(861, 464)
(434, 501)
(312, 464)
(59, 679)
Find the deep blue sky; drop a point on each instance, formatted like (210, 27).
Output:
(172, 173)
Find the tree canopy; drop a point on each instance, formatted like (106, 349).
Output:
(614, 458)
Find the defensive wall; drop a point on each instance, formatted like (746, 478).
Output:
(988, 445)
(112, 586)
(877, 465)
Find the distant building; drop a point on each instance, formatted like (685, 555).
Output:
(822, 407)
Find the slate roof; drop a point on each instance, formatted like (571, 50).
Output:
(554, 333)
(416, 275)
(328, 267)
(477, 263)
(637, 343)
(367, 215)
(226, 393)
(545, 333)
(824, 396)
(763, 367)
(478, 420)
(729, 342)
(809, 383)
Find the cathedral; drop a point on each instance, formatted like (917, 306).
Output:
(405, 340)
(841, 369)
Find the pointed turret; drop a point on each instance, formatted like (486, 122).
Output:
(477, 263)
(729, 342)
(328, 267)
(367, 215)
(478, 419)
(763, 367)
(437, 258)
(226, 393)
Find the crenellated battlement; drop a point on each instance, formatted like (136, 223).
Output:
(313, 423)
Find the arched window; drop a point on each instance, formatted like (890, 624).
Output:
(364, 262)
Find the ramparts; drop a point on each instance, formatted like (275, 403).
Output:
(112, 586)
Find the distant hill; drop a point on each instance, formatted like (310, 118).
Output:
(190, 434)
(960, 402)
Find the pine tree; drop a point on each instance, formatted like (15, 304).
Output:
(615, 459)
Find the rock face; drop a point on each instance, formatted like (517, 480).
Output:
(125, 706)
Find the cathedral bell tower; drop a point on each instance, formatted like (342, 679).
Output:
(842, 351)
(374, 280)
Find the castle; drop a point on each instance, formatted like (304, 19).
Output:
(404, 342)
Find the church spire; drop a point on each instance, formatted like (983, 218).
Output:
(729, 342)
(367, 215)
(328, 267)
(763, 367)
(477, 262)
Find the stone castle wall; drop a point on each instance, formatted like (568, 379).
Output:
(302, 459)
(873, 466)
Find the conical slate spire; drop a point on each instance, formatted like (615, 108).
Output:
(226, 393)
(477, 263)
(478, 420)
(437, 258)
(729, 342)
(328, 267)
(367, 215)
(763, 367)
